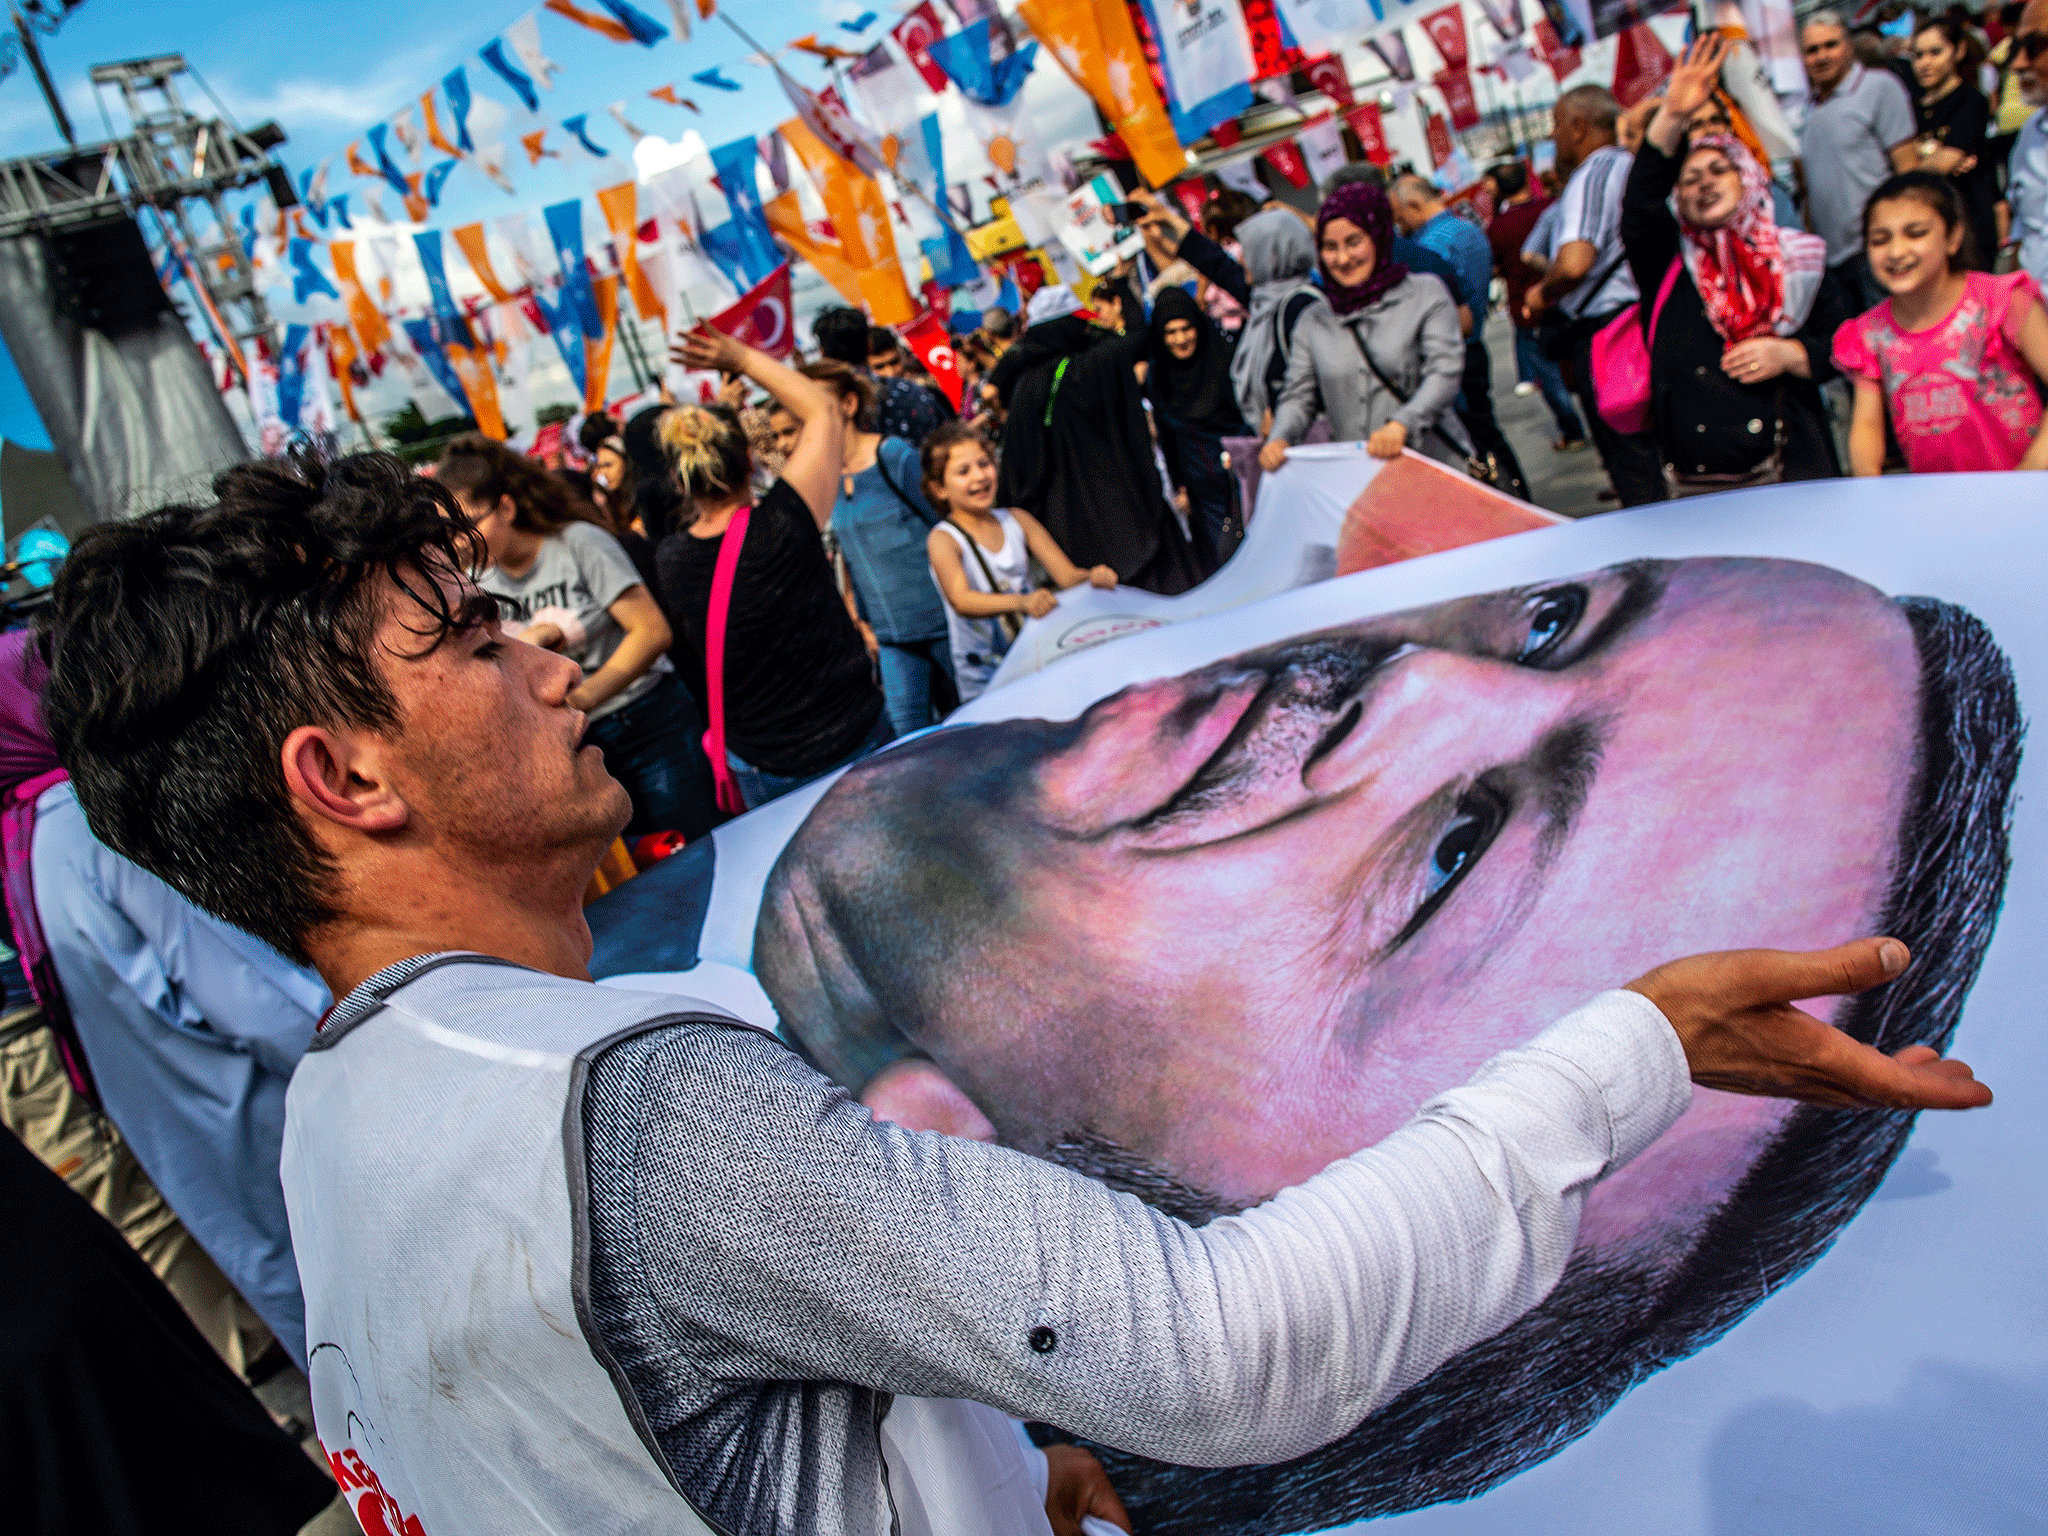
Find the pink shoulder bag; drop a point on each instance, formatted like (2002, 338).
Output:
(1621, 361)
(730, 800)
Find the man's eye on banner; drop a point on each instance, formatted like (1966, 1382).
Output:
(1200, 909)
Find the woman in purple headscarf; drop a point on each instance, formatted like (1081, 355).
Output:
(1382, 361)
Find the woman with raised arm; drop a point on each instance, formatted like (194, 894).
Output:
(1737, 314)
(785, 677)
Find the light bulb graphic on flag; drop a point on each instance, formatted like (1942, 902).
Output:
(1002, 153)
(892, 147)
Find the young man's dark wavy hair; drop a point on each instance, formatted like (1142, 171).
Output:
(184, 647)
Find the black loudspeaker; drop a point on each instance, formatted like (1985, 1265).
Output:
(101, 276)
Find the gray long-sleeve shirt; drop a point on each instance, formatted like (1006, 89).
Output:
(766, 1263)
(1412, 332)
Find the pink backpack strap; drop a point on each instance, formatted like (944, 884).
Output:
(1663, 292)
(17, 838)
(730, 800)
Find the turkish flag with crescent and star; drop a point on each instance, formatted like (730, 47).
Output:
(933, 344)
(762, 317)
(914, 34)
(1446, 29)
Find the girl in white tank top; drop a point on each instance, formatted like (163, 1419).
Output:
(981, 557)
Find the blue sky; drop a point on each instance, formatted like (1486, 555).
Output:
(328, 71)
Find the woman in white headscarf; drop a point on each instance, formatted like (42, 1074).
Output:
(1739, 323)
(1279, 255)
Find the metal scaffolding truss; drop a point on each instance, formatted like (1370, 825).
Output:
(173, 160)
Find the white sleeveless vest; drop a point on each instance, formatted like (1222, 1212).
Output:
(453, 1387)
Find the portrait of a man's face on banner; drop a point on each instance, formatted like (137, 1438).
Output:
(1200, 909)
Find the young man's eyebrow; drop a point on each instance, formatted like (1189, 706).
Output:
(1566, 762)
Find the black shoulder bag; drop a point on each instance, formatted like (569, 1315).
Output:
(1012, 623)
(1484, 470)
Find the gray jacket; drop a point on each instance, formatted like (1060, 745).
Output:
(1414, 336)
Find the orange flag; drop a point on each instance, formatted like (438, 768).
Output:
(785, 216)
(597, 355)
(622, 218)
(604, 26)
(360, 166)
(860, 217)
(705, 8)
(668, 94)
(472, 366)
(371, 330)
(341, 356)
(531, 141)
(470, 239)
(1097, 45)
(416, 207)
(435, 136)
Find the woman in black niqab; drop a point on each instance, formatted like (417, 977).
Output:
(1077, 454)
(1194, 407)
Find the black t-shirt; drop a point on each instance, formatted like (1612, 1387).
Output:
(800, 693)
(1962, 120)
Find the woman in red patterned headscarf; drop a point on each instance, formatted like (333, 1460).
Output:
(1738, 313)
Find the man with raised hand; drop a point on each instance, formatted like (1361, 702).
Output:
(575, 1256)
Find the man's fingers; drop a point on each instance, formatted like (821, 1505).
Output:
(1784, 975)
(1892, 1082)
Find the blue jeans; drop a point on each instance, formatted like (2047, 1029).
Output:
(1532, 367)
(759, 786)
(916, 676)
(655, 747)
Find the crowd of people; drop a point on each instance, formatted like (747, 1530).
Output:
(734, 598)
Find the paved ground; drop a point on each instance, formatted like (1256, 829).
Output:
(1570, 483)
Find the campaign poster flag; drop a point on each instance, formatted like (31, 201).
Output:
(1206, 56)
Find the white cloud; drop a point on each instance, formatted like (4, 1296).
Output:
(652, 156)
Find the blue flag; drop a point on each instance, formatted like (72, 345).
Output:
(722, 244)
(575, 125)
(645, 29)
(307, 279)
(456, 84)
(391, 172)
(965, 58)
(450, 323)
(567, 333)
(435, 179)
(421, 334)
(493, 54)
(339, 207)
(859, 24)
(316, 206)
(734, 163)
(565, 228)
(715, 77)
(291, 375)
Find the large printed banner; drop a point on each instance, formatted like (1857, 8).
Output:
(1208, 905)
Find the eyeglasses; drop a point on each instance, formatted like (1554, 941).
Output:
(2032, 44)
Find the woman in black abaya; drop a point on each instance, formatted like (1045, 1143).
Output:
(1077, 454)
(1195, 408)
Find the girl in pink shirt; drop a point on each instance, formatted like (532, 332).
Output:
(1953, 356)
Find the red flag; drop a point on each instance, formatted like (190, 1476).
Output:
(761, 318)
(1329, 76)
(1446, 28)
(920, 28)
(1439, 140)
(1641, 64)
(1457, 88)
(1227, 132)
(1372, 133)
(1285, 157)
(1270, 54)
(934, 348)
(1551, 50)
(1194, 199)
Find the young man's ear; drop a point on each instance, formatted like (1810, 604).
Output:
(338, 778)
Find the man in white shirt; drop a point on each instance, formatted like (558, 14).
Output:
(2027, 186)
(583, 1259)
(1858, 131)
(1589, 281)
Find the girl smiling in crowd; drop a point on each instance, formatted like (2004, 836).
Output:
(1955, 357)
(981, 556)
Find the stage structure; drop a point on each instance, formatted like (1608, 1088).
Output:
(130, 404)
